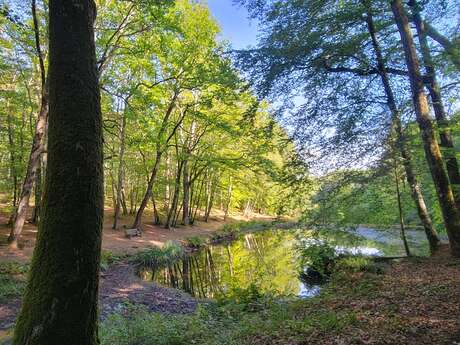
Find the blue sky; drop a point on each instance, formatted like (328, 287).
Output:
(233, 19)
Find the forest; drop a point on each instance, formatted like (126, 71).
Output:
(162, 182)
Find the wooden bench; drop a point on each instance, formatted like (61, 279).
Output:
(130, 233)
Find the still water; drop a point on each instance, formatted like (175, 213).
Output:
(268, 260)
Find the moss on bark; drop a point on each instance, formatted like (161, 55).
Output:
(60, 303)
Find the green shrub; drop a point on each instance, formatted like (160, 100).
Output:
(317, 255)
(156, 257)
(195, 242)
(108, 258)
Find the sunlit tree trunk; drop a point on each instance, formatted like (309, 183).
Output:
(401, 214)
(37, 144)
(449, 209)
(186, 195)
(446, 141)
(60, 302)
(119, 187)
(401, 144)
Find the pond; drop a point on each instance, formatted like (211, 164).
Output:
(269, 260)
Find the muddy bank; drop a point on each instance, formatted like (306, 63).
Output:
(119, 288)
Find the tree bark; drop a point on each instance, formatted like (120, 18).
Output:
(451, 213)
(416, 192)
(186, 195)
(121, 154)
(138, 220)
(38, 194)
(37, 145)
(400, 211)
(13, 167)
(60, 302)
(173, 207)
(446, 141)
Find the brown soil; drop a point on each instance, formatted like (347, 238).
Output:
(120, 286)
(115, 240)
(416, 302)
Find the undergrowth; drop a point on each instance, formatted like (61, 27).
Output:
(249, 317)
(12, 280)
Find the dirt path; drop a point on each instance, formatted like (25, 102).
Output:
(115, 240)
(119, 287)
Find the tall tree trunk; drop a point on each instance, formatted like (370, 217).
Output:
(446, 141)
(173, 207)
(37, 144)
(401, 214)
(119, 188)
(13, 167)
(60, 303)
(160, 149)
(138, 220)
(156, 216)
(229, 198)
(186, 195)
(451, 213)
(209, 199)
(416, 192)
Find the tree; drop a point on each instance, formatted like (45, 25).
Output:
(37, 144)
(60, 303)
(449, 209)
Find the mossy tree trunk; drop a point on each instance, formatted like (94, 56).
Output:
(450, 212)
(60, 302)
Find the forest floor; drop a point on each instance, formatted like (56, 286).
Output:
(413, 301)
(119, 286)
(115, 240)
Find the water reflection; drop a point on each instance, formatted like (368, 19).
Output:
(265, 259)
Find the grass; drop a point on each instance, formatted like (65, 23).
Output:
(155, 257)
(249, 318)
(12, 280)
(195, 242)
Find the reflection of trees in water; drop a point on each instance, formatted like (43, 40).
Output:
(265, 259)
(195, 274)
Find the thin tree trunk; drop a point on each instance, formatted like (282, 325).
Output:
(186, 195)
(210, 200)
(123, 199)
(60, 302)
(401, 215)
(229, 198)
(156, 217)
(138, 220)
(148, 193)
(449, 209)
(13, 167)
(173, 207)
(401, 143)
(446, 141)
(119, 189)
(37, 144)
